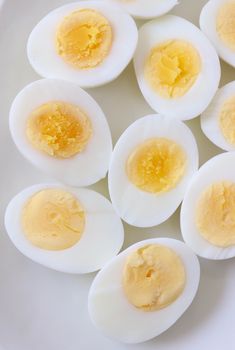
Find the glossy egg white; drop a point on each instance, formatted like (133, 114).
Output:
(115, 317)
(46, 62)
(136, 207)
(101, 240)
(219, 168)
(84, 168)
(196, 100)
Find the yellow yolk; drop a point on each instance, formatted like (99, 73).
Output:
(53, 219)
(153, 277)
(215, 214)
(59, 129)
(225, 24)
(227, 120)
(84, 38)
(172, 68)
(157, 165)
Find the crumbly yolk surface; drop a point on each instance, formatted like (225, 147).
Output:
(53, 219)
(59, 129)
(157, 165)
(172, 68)
(84, 38)
(227, 120)
(153, 277)
(215, 214)
(225, 24)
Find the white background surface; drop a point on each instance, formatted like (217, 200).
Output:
(45, 310)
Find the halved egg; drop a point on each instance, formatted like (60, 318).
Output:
(66, 229)
(151, 166)
(177, 69)
(144, 290)
(61, 129)
(207, 213)
(87, 42)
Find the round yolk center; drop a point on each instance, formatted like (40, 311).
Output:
(225, 24)
(227, 120)
(157, 165)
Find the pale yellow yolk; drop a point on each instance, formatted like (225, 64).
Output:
(53, 219)
(153, 277)
(172, 68)
(215, 214)
(59, 129)
(157, 165)
(84, 38)
(227, 120)
(225, 24)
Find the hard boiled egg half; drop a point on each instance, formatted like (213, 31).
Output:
(66, 229)
(87, 42)
(144, 290)
(151, 166)
(177, 68)
(60, 129)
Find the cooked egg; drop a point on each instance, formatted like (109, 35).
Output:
(60, 129)
(66, 229)
(217, 21)
(177, 69)
(207, 214)
(151, 166)
(89, 43)
(218, 121)
(144, 290)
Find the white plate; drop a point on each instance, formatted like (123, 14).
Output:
(44, 310)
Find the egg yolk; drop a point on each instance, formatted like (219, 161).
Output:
(153, 277)
(157, 165)
(225, 24)
(59, 129)
(172, 68)
(84, 38)
(53, 219)
(215, 214)
(227, 120)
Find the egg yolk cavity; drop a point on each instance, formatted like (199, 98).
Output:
(172, 68)
(153, 277)
(225, 24)
(84, 38)
(59, 129)
(215, 214)
(157, 165)
(227, 120)
(53, 219)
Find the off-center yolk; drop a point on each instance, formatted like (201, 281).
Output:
(225, 24)
(157, 165)
(153, 277)
(84, 38)
(53, 219)
(172, 68)
(215, 214)
(227, 120)
(59, 129)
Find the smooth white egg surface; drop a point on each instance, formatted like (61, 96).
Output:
(139, 206)
(218, 206)
(177, 68)
(111, 312)
(107, 52)
(217, 122)
(83, 168)
(102, 237)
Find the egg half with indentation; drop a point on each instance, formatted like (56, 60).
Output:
(144, 290)
(87, 42)
(66, 229)
(61, 129)
(177, 68)
(151, 166)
